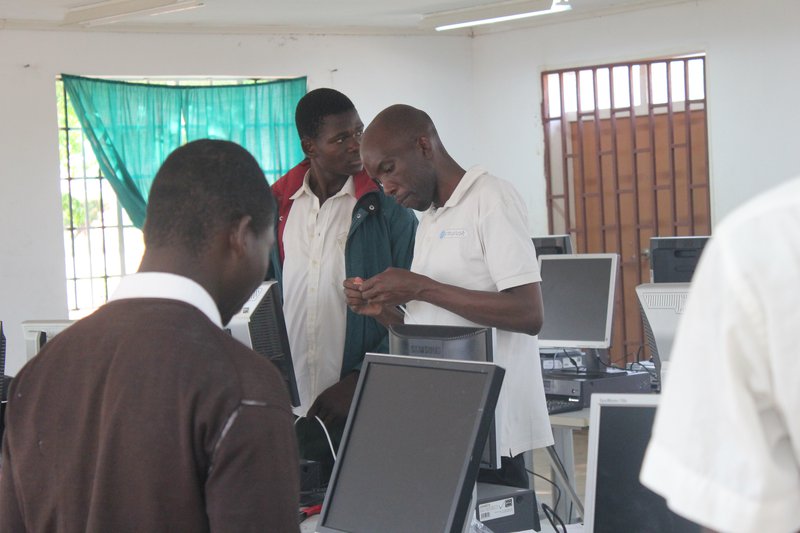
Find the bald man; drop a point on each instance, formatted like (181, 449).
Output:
(474, 264)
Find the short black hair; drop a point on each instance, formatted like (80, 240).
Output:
(315, 106)
(203, 187)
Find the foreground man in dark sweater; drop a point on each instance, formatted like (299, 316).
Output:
(146, 415)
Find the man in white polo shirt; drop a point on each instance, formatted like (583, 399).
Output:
(474, 264)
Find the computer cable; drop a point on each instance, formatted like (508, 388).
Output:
(325, 430)
(553, 483)
(553, 517)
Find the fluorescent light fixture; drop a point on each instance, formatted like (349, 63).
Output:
(490, 14)
(117, 10)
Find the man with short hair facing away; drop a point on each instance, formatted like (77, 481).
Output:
(334, 222)
(147, 415)
(474, 264)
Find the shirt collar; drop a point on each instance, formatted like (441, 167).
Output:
(348, 188)
(469, 177)
(170, 287)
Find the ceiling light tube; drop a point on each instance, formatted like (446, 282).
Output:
(115, 11)
(502, 12)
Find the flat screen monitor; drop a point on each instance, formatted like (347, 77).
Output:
(450, 342)
(36, 333)
(260, 325)
(578, 296)
(552, 245)
(619, 431)
(408, 460)
(662, 306)
(674, 259)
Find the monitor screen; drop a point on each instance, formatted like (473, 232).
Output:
(673, 259)
(450, 342)
(552, 245)
(619, 430)
(260, 326)
(578, 296)
(662, 306)
(408, 460)
(37, 332)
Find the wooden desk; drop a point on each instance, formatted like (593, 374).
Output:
(563, 424)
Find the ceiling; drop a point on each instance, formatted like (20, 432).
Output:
(297, 16)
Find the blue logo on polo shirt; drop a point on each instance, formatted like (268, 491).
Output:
(452, 233)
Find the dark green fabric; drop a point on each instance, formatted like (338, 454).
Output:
(133, 127)
(381, 235)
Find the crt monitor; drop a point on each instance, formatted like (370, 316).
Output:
(260, 326)
(619, 431)
(552, 245)
(37, 332)
(662, 306)
(450, 342)
(674, 259)
(408, 458)
(578, 296)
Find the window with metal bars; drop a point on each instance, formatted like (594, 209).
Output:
(101, 245)
(627, 159)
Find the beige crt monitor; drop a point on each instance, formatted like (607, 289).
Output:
(37, 332)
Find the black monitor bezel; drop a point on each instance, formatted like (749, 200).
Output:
(460, 508)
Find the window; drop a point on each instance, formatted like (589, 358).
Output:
(101, 245)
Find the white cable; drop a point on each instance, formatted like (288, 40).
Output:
(325, 430)
(327, 436)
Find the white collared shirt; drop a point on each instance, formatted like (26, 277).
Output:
(725, 449)
(313, 271)
(169, 286)
(479, 240)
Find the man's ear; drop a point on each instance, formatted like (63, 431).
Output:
(424, 144)
(237, 238)
(308, 147)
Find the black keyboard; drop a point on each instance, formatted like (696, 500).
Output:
(558, 405)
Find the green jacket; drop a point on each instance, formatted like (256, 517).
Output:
(381, 236)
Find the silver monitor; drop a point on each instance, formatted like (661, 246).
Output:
(578, 295)
(36, 333)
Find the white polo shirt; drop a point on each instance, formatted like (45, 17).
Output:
(313, 271)
(479, 240)
(725, 450)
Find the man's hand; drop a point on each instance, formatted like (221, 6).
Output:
(356, 301)
(393, 286)
(333, 404)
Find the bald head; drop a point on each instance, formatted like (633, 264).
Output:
(401, 149)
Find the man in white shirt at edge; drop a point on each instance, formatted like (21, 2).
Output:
(727, 458)
(474, 264)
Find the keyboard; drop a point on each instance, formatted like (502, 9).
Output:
(558, 405)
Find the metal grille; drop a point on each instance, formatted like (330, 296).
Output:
(626, 159)
(101, 244)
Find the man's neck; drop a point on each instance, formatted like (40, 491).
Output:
(325, 185)
(449, 178)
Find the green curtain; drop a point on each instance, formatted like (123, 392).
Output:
(133, 127)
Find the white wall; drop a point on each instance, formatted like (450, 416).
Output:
(751, 78)
(483, 93)
(374, 71)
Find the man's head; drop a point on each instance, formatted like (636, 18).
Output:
(210, 217)
(330, 131)
(399, 149)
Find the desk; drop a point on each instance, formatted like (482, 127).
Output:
(563, 424)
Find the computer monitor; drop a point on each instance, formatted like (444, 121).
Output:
(552, 244)
(673, 259)
(662, 306)
(408, 458)
(619, 431)
(450, 342)
(36, 333)
(260, 326)
(578, 296)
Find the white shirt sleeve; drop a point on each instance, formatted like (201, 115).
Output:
(720, 452)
